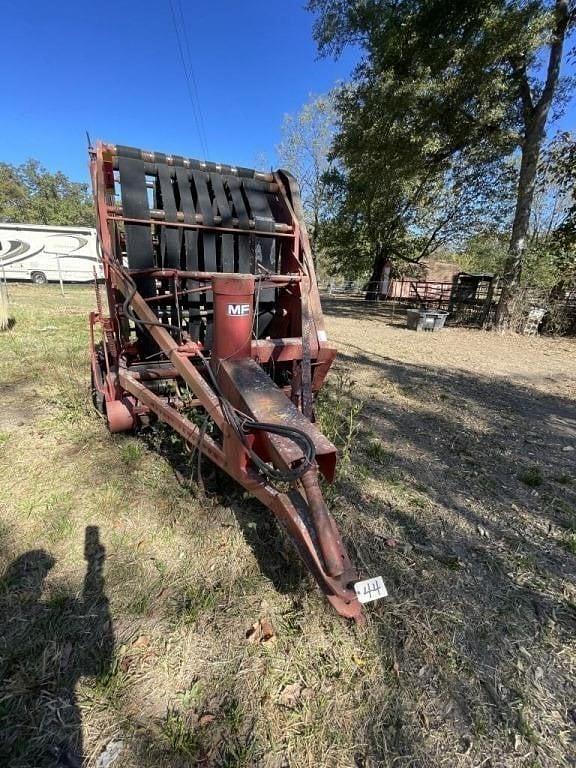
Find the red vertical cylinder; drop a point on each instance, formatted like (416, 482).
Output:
(233, 316)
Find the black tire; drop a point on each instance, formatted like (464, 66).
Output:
(39, 278)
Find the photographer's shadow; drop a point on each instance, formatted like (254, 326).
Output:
(45, 647)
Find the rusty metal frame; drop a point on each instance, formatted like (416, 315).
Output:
(128, 396)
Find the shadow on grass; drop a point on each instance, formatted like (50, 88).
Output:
(475, 635)
(360, 309)
(46, 645)
(481, 617)
(276, 559)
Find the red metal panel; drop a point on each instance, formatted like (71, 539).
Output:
(233, 315)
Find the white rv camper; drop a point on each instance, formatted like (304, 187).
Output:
(43, 253)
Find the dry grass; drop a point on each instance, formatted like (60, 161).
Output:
(471, 660)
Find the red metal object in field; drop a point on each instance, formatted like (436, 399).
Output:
(233, 316)
(213, 310)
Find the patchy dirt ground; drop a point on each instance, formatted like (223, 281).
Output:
(126, 597)
(475, 435)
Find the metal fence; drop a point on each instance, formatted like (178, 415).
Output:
(468, 308)
(470, 304)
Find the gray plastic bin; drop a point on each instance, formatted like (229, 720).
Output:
(425, 319)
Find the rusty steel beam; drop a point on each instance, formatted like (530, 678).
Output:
(174, 352)
(275, 280)
(172, 161)
(158, 216)
(189, 431)
(287, 509)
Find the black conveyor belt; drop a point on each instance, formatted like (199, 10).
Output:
(191, 188)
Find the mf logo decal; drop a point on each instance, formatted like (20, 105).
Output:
(238, 310)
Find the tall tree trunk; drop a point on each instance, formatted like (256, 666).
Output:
(525, 196)
(535, 117)
(380, 262)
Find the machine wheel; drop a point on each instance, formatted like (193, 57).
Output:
(39, 278)
(119, 417)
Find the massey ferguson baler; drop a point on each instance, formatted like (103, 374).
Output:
(214, 326)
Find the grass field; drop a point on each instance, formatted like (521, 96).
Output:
(127, 597)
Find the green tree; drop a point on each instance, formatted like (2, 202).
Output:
(554, 188)
(549, 257)
(441, 77)
(304, 149)
(394, 218)
(484, 253)
(31, 194)
(13, 194)
(563, 237)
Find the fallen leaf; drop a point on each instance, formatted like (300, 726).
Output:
(206, 719)
(358, 661)
(261, 631)
(142, 642)
(125, 663)
(267, 630)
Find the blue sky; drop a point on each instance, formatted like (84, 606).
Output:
(114, 69)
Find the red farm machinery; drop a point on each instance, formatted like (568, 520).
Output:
(214, 318)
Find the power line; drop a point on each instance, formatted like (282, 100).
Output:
(190, 86)
(192, 74)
